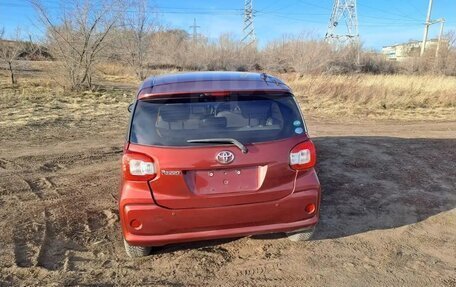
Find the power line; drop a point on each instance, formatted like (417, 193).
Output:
(387, 12)
(414, 7)
(399, 20)
(269, 8)
(283, 7)
(315, 5)
(393, 22)
(161, 10)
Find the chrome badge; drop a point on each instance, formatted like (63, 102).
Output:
(225, 157)
(170, 172)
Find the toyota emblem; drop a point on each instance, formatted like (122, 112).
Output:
(225, 157)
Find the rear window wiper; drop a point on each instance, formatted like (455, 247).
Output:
(237, 143)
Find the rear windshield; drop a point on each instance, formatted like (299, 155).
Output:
(246, 118)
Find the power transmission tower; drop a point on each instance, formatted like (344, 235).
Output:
(249, 28)
(343, 11)
(195, 33)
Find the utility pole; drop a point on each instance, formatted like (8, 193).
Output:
(343, 11)
(249, 29)
(439, 43)
(195, 33)
(426, 28)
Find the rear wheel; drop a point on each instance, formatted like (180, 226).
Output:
(136, 251)
(302, 235)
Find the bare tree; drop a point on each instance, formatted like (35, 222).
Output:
(76, 36)
(136, 36)
(301, 53)
(170, 48)
(10, 50)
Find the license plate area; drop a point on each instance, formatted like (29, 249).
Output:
(216, 181)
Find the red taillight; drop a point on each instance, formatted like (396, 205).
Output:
(303, 156)
(138, 166)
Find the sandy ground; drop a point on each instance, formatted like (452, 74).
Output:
(388, 213)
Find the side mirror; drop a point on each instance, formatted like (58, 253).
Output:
(130, 107)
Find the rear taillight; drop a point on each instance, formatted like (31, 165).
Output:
(138, 166)
(303, 156)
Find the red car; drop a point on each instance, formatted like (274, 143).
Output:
(214, 155)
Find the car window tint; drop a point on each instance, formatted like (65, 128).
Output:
(247, 118)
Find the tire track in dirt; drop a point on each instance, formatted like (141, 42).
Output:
(27, 238)
(59, 178)
(58, 250)
(99, 224)
(219, 251)
(17, 185)
(262, 271)
(12, 184)
(60, 161)
(268, 248)
(51, 167)
(6, 164)
(42, 187)
(279, 272)
(42, 241)
(53, 163)
(51, 254)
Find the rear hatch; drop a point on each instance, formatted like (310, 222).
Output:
(189, 139)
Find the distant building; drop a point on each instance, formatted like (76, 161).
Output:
(400, 52)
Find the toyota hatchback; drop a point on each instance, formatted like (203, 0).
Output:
(214, 155)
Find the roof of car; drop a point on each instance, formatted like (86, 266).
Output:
(205, 82)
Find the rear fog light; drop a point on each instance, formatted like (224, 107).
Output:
(136, 224)
(310, 208)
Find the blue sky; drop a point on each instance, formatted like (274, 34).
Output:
(380, 22)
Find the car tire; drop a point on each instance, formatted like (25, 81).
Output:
(136, 251)
(303, 235)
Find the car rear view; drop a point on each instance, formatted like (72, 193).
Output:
(216, 155)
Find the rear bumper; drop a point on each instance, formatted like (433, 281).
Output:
(162, 226)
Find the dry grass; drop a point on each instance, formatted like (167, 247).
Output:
(116, 72)
(113, 72)
(38, 99)
(31, 104)
(384, 96)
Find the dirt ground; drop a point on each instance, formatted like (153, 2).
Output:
(388, 213)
